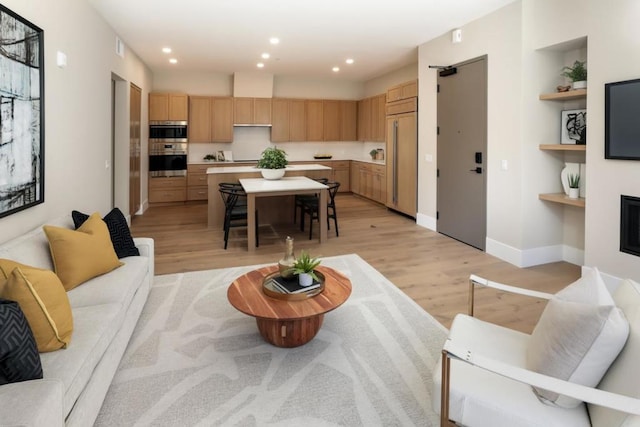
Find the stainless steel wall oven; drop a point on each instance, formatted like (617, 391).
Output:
(167, 159)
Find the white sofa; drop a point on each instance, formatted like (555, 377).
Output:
(105, 311)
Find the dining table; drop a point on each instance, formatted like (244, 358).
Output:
(288, 185)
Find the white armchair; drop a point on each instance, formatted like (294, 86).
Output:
(484, 381)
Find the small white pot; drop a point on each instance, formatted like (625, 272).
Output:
(305, 279)
(582, 84)
(272, 173)
(574, 193)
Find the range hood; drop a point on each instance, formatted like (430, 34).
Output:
(254, 88)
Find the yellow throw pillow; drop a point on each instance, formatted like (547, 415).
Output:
(82, 254)
(44, 303)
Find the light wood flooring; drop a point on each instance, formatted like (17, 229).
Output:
(429, 267)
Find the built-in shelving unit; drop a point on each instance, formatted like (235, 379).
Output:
(564, 96)
(563, 199)
(563, 147)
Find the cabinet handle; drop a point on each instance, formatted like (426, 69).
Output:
(395, 161)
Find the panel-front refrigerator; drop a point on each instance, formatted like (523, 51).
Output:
(402, 157)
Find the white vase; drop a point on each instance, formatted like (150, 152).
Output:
(569, 169)
(305, 279)
(574, 193)
(272, 173)
(582, 84)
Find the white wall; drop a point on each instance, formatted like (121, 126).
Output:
(614, 39)
(381, 84)
(77, 111)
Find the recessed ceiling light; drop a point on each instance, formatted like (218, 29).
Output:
(336, 69)
(173, 60)
(274, 40)
(260, 65)
(265, 55)
(166, 49)
(349, 61)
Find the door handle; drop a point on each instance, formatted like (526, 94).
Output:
(476, 170)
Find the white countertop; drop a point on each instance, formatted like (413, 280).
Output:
(245, 169)
(253, 162)
(288, 183)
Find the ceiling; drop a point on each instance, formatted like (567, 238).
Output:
(226, 36)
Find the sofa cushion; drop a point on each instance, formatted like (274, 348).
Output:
(623, 377)
(19, 357)
(83, 254)
(578, 336)
(118, 231)
(44, 302)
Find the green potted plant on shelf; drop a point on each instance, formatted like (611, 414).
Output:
(272, 163)
(577, 73)
(574, 185)
(304, 267)
(373, 153)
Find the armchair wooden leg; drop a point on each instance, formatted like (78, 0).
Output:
(444, 392)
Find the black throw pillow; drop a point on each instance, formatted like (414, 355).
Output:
(19, 357)
(118, 231)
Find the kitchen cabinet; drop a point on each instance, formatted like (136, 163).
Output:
(252, 111)
(168, 106)
(340, 172)
(297, 120)
(197, 182)
(167, 189)
(331, 120)
(402, 165)
(403, 91)
(314, 120)
(348, 120)
(371, 118)
(369, 180)
(279, 120)
(222, 122)
(211, 119)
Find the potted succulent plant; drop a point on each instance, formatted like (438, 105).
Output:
(374, 154)
(574, 186)
(272, 163)
(304, 267)
(577, 74)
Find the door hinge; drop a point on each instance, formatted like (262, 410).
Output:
(438, 88)
(437, 173)
(437, 130)
(437, 215)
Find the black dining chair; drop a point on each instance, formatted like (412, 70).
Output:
(299, 200)
(235, 209)
(310, 207)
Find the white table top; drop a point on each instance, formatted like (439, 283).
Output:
(244, 169)
(288, 183)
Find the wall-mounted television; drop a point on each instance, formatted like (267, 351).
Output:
(622, 120)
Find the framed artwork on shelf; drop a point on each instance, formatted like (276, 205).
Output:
(21, 113)
(573, 127)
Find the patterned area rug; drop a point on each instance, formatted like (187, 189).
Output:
(194, 360)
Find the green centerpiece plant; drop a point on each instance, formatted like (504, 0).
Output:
(273, 158)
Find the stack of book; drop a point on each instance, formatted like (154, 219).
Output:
(291, 285)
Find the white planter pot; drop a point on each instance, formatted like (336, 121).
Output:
(582, 84)
(305, 279)
(574, 193)
(272, 173)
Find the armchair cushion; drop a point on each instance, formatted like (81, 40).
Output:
(578, 336)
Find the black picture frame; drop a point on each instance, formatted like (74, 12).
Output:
(21, 113)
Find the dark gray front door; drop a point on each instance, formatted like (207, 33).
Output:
(462, 153)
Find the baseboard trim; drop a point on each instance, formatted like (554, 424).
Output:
(535, 256)
(426, 221)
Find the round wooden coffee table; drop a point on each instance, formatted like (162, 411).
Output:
(287, 323)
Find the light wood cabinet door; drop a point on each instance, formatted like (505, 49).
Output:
(262, 111)
(242, 111)
(354, 178)
(178, 107)
(409, 89)
(381, 119)
(200, 123)
(279, 120)
(158, 106)
(364, 120)
(314, 109)
(375, 106)
(341, 174)
(348, 121)
(222, 121)
(171, 189)
(297, 120)
(331, 120)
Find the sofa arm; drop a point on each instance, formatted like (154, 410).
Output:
(146, 247)
(32, 403)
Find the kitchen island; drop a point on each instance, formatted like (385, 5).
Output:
(272, 210)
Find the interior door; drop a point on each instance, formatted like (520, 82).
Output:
(462, 153)
(135, 116)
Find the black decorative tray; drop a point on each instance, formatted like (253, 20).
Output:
(322, 157)
(270, 290)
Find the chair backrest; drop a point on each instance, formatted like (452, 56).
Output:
(230, 196)
(623, 376)
(333, 190)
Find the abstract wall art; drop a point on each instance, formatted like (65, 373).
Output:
(21, 113)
